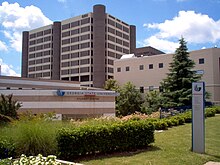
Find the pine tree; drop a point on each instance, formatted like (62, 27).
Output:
(177, 86)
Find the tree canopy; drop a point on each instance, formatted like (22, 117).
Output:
(177, 86)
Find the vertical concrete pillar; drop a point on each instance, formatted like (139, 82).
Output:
(132, 38)
(24, 60)
(56, 51)
(99, 17)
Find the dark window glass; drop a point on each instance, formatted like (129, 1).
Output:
(118, 69)
(32, 35)
(74, 24)
(66, 41)
(160, 65)
(141, 89)
(74, 39)
(40, 40)
(65, 34)
(75, 47)
(48, 38)
(85, 29)
(141, 67)
(119, 26)
(40, 34)
(65, 49)
(151, 66)
(85, 21)
(201, 61)
(66, 26)
(118, 33)
(47, 31)
(127, 68)
(65, 56)
(76, 31)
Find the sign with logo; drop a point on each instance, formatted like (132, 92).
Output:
(198, 119)
(85, 93)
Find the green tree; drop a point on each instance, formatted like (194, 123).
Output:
(8, 106)
(177, 86)
(111, 84)
(152, 102)
(129, 100)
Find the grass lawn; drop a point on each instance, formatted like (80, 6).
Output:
(171, 147)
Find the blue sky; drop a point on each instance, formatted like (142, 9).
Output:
(159, 23)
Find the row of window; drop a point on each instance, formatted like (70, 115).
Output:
(77, 46)
(40, 54)
(77, 31)
(41, 33)
(118, 48)
(40, 61)
(76, 54)
(76, 62)
(118, 41)
(141, 67)
(118, 33)
(151, 66)
(40, 47)
(117, 20)
(38, 75)
(78, 78)
(40, 40)
(77, 39)
(117, 25)
(76, 23)
(39, 68)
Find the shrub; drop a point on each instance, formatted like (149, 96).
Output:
(160, 125)
(210, 112)
(7, 148)
(104, 138)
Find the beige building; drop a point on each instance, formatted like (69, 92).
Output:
(81, 48)
(146, 72)
(65, 99)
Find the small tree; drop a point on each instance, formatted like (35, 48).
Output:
(111, 84)
(8, 106)
(177, 87)
(129, 100)
(152, 102)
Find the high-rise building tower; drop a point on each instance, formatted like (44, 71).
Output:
(81, 48)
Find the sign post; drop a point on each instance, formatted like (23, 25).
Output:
(198, 118)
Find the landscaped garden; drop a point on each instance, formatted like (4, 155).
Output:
(129, 140)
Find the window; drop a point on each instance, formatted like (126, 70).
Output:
(201, 61)
(160, 65)
(127, 68)
(151, 88)
(141, 67)
(160, 88)
(118, 69)
(151, 66)
(141, 89)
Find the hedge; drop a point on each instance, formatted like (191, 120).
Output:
(87, 140)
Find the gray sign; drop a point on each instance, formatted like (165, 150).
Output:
(198, 119)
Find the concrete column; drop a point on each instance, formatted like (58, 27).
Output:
(99, 17)
(24, 61)
(56, 51)
(132, 38)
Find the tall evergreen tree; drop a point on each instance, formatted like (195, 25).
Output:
(177, 86)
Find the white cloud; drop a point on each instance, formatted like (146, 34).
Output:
(15, 19)
(196, 28)
(161, 44)
(3, 46)
(7, 69)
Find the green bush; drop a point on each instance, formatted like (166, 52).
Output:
(87, 140)
(160, 125)
(210, 112)
(7, 148)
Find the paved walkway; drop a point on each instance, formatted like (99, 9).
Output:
(212, 163)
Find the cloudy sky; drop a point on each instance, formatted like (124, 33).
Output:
(159, 23)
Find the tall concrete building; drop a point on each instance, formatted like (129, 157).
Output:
(81, 48)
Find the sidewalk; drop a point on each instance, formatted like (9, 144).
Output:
(212, 163)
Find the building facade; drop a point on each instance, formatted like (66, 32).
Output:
(65, 99)
(81, 48)
(146, 72)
